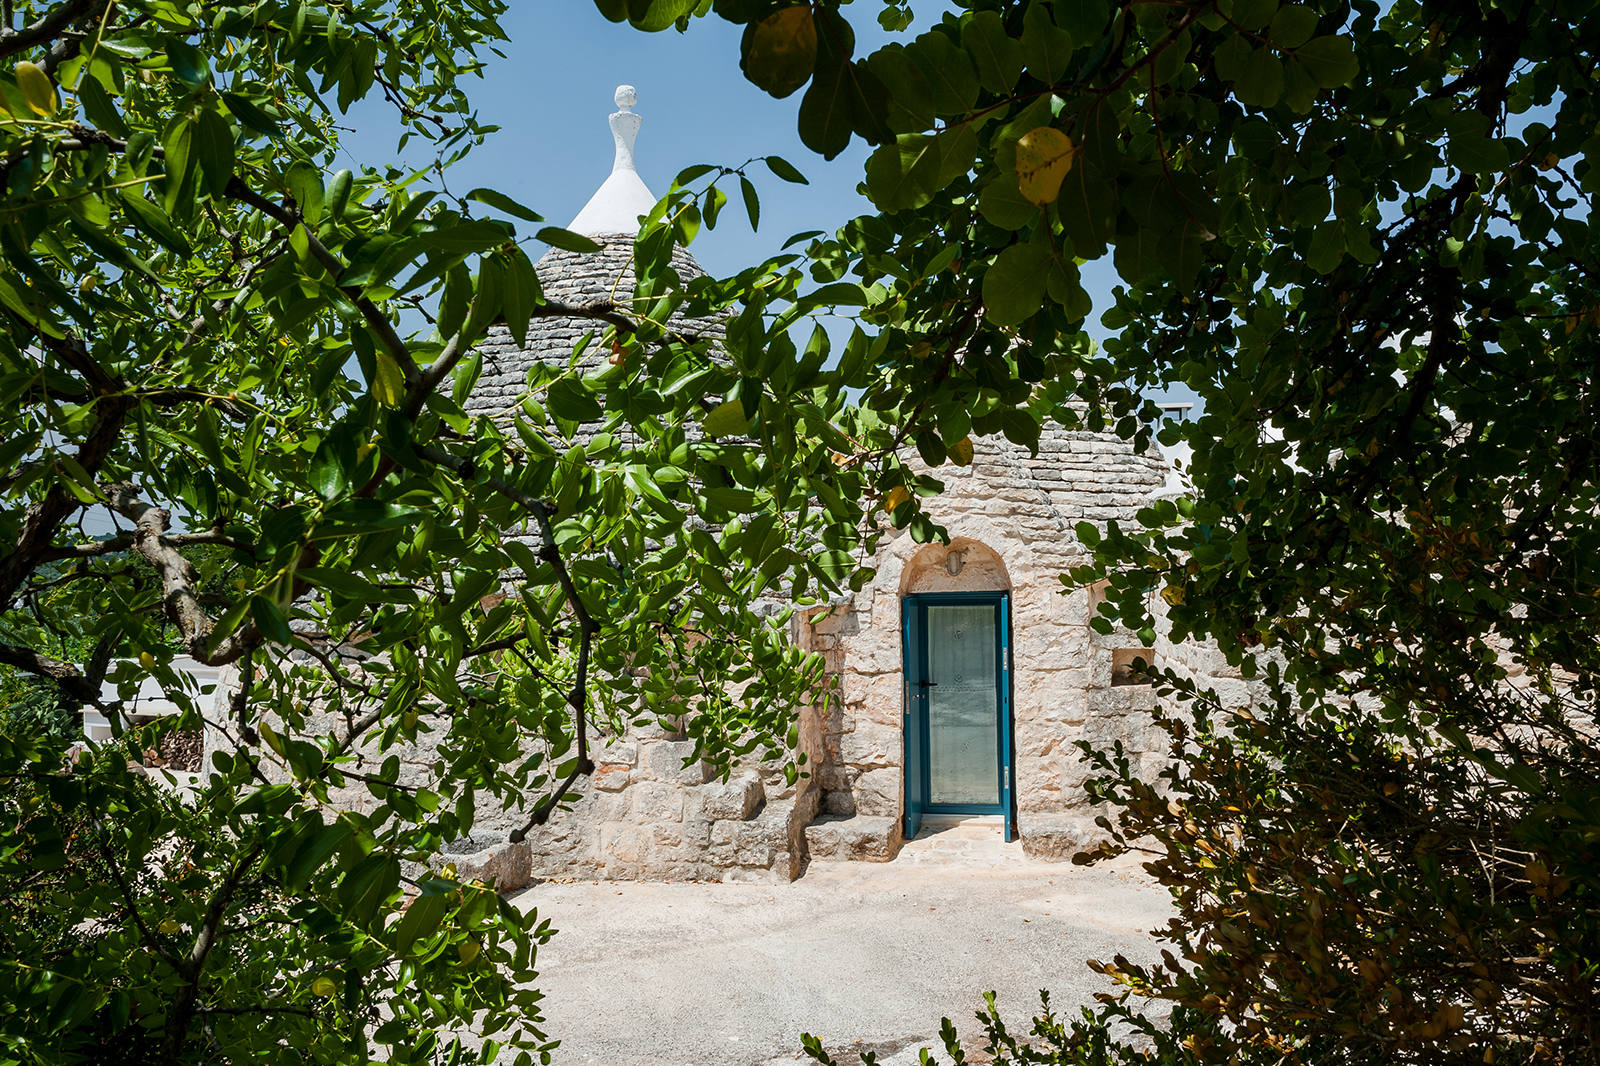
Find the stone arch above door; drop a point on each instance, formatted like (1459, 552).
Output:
(965, 565)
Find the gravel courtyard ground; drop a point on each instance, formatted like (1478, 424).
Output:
(861, 955)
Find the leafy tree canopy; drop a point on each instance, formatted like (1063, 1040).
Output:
(201, 336)
(1362, 234)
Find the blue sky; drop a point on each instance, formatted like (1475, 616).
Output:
(553, 91)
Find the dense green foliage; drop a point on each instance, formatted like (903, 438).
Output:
(1362, 234)
(199, 338)
(40, 712)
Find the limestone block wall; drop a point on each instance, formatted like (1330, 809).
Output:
(644, 815)
(1010, 517)
(648, 816)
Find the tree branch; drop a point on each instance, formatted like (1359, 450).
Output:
(184, 1005)
(179, 578)
(14, 41)
(374, 317)
(577, 698)
(67, 677)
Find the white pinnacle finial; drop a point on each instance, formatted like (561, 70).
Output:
(616, 207)
(625, 127)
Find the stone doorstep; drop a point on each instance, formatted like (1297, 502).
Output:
(860, 838)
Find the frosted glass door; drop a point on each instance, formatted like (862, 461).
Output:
(963, 705)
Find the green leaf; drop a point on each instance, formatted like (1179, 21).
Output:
(214, 143)
(419, 921)
(1014, 285)
(727, 420)
(996, 55)
(1478, 155)
(1260, 82)
(1301, 91)
(522, 294)
(468, 237)
(368, 885)
(26, 303)
(570, 400)
(904, 174)
(565, 239)
(250, 116)
(1292, 26)
(752, 203)
(188, 63)
(1255, 139)
(1327, 247)
(1139, 253)
(176, 149)
(104, 246)
(98, 106)
(662, 14)
(1003, 204)
(1084, 19)
(948, 71)
(501, 202)
(785, 170)
(332, 464)
(1252, 15)
(455, 301)
(305, 185)
(487, 300)
(269, 620)
(827, 111)
(1046, 48)
(1065, 287)
(1330, 60)
(389, 387)
(958, 151)
(911, 101)
(338, 196)
(1088, 208)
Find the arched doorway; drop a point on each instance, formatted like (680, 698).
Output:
(956, 661)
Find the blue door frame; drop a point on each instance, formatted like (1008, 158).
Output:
(914, 657)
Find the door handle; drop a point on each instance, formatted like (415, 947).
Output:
(927, 684)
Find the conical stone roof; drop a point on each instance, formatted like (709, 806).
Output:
(1076, 475)
(580, 279)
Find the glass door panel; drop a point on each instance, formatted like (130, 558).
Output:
(963, 705)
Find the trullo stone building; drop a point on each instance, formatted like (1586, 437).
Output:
(966, 673)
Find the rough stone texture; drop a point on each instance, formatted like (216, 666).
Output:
(858, 839)
(1011, 517)
(575, 279)
(1056, 838)
(507, 867)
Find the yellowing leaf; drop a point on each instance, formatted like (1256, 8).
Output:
(1173, 594)
(1044, 156)
(324, 986)
(783, 51)
(727, 420)
(896, 497)
(37, 89)
(391, 384)
(961, 452)
(273, 740)
(468, 950)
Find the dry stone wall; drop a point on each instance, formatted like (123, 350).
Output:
(1010, 516)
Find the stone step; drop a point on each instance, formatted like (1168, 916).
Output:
(856, 838)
